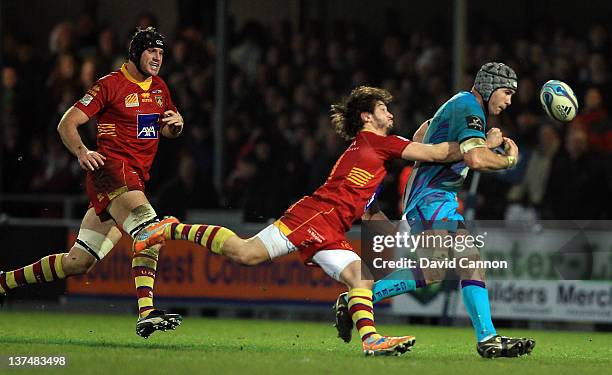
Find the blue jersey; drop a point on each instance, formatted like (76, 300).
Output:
(431, 193)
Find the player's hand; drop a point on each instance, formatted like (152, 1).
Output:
(494, 138)
(174, 122)
(91, 160)
(510, 147)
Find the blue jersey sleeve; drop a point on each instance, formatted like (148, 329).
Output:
(468, 120)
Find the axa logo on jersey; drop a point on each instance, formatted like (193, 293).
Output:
(147, 126)
(147, 132)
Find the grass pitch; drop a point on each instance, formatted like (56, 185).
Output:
(96, 344)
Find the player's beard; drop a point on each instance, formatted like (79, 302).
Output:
(388, 126)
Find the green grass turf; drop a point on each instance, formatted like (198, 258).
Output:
(108, 345)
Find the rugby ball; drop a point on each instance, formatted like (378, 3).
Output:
(559, 101)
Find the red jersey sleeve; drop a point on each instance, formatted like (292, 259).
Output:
(95, 99)
(392, 146)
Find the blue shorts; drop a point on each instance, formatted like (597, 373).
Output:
(435, 215)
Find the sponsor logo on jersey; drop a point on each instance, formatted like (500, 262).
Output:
(147, 132)
(156, 91)
(314, 238)
(159, 100)
(145, 97)
(94, 90)
(147, 126)
(359, 176)
(131, 101)
(474, 123)
(85, 100)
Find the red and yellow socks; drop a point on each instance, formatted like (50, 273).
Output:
(362, 312)
(144, 267)
(47, 269)
(210, 236)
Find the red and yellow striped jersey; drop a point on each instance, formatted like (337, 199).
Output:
(355, 177)
(128, 114)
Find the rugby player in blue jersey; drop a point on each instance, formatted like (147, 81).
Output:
(430, 201)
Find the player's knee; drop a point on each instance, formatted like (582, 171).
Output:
(246, 252)
(246, 259)
(74, 265)
(434, 276)
(245, 255)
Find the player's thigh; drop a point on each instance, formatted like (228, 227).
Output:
(344, 266)
(121, 207)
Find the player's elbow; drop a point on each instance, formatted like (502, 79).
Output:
(441, 155)
(61, 126)
(64, 125)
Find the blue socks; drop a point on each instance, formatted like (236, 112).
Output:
(476, 301)
(474, 292)
(396, 283)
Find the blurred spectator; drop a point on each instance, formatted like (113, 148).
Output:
(12, 175)
(61, 39)
(247, 54)
(594, 119)
(85, 35)
(577, 188)
(62, 83)
(13, 106)
(108, 58)
(530, 191)
(57, 173)
(187, 190)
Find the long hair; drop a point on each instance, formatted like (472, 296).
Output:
(346, 114)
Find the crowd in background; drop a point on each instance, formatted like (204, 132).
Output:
(278, 140)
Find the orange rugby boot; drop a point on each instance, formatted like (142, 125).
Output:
(153, 234)
(388, 345)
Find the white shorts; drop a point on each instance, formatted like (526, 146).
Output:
(275, 241)
(333, 262)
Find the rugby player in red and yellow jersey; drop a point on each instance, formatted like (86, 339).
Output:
(132, 107)
(316, 225)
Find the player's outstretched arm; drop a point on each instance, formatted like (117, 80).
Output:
(444, 152)
(477, 155)
(68, 130)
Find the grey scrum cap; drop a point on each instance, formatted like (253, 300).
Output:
(493, 76)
